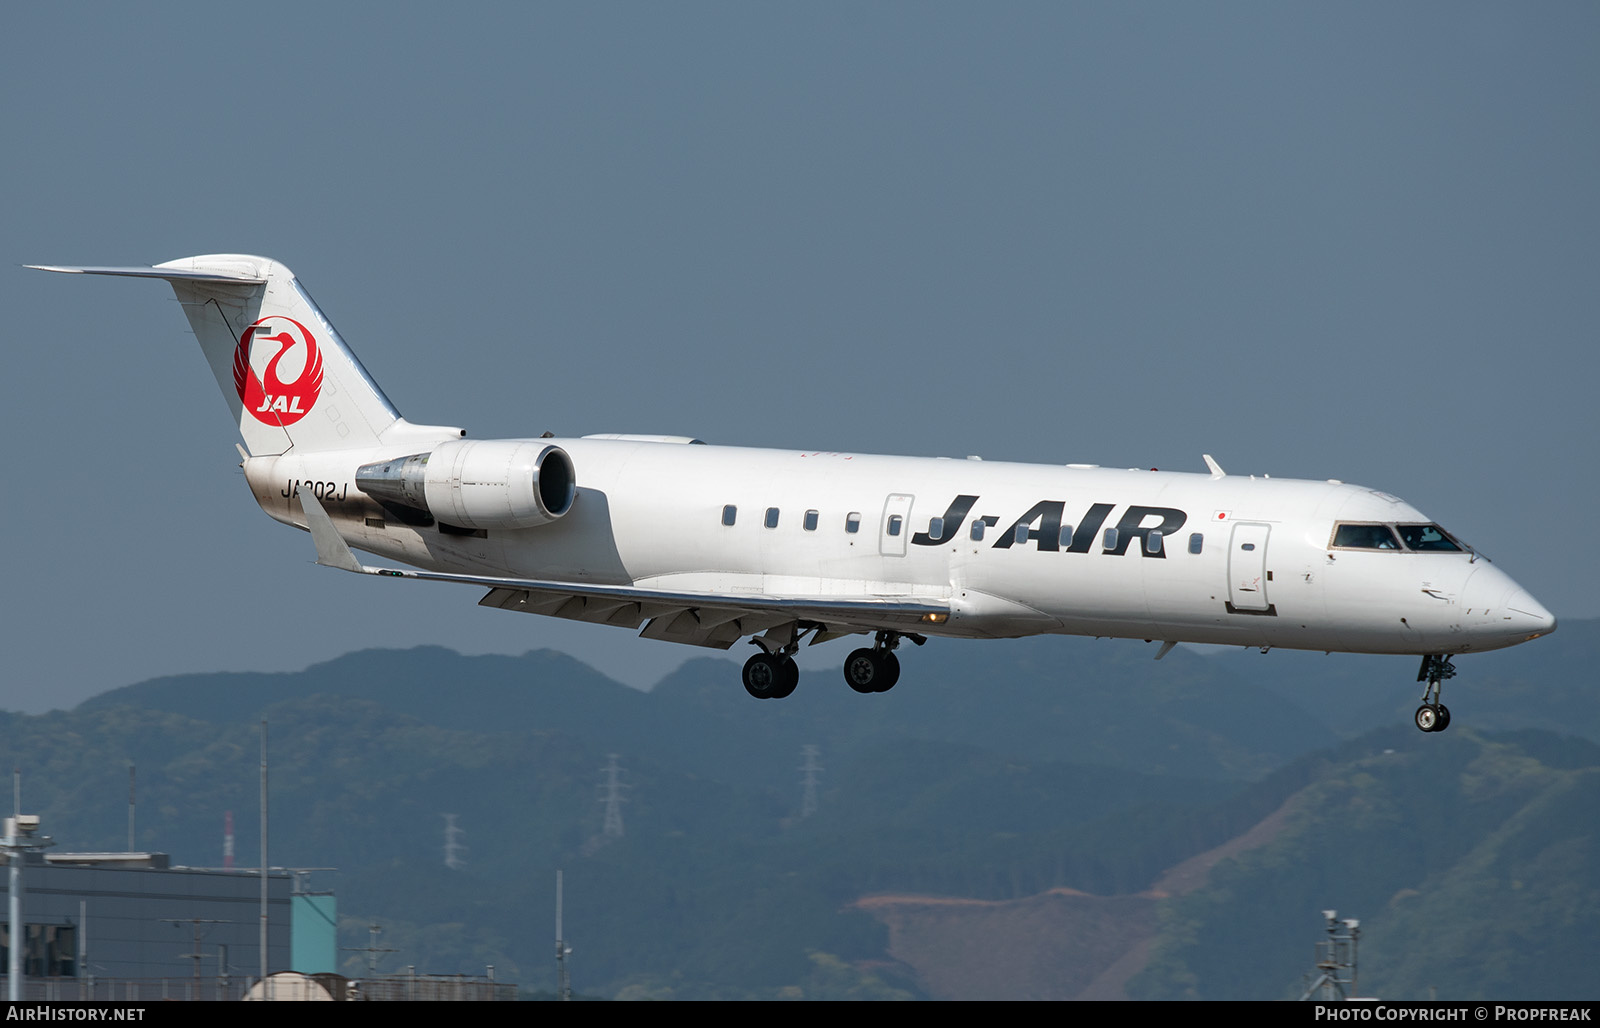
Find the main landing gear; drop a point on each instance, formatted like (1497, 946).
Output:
(770, 676)
(1434, 716)
(772, 673)
(873, 669)
(876, 669)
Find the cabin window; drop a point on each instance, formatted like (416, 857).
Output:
(811, 521)
(1196, 541)
(1020, 534)
(730, 514)
(936, 530)
(1066, 537)
(772, 517)
(1110, 540)
(852, 522)
(977, 530)
(1152, 543)
(1365, 537)
(894, 524)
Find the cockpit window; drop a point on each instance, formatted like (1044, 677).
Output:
(1365, 537)
(1428, 537)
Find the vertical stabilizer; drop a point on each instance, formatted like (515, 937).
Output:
(289, 380)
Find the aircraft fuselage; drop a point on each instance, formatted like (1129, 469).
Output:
(1072, 550)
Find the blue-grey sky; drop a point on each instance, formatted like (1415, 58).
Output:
(1352, 241)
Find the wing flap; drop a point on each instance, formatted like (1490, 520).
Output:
(677, 630)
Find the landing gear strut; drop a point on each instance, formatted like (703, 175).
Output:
(876, 669)
(1434, 716)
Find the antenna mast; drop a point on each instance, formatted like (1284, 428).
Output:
(1336, 960)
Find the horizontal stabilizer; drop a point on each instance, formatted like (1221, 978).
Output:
(166, 274)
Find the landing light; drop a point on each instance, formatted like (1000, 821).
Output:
(935, 619)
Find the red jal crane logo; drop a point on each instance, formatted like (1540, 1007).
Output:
(286, 389)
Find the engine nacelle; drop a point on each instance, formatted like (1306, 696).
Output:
(478, 483)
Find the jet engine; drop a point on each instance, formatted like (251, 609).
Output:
(478, 483)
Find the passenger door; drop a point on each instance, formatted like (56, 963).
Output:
(1247, 568)
(895, 528)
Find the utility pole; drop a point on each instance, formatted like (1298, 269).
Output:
(372, 949)
(266, 992)
(197, 955)
(20, 840)
(563, 981)
(85, 976)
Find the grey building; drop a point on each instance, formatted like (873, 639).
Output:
(131, 916)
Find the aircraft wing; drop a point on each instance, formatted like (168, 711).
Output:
(716, 620)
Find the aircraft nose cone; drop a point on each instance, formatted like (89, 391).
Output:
(1509, 613)
(1530, 613)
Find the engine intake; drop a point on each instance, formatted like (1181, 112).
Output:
(478, 483)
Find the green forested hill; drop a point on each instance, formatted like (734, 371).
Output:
(1470, 862)
(992, 772)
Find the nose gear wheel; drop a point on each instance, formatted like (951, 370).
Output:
(1433, 717)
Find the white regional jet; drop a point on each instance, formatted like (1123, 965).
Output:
(707, 544)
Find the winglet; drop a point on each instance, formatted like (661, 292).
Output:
(332, 550)
(1216, 469)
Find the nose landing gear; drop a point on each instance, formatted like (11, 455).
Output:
(1434, 716)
